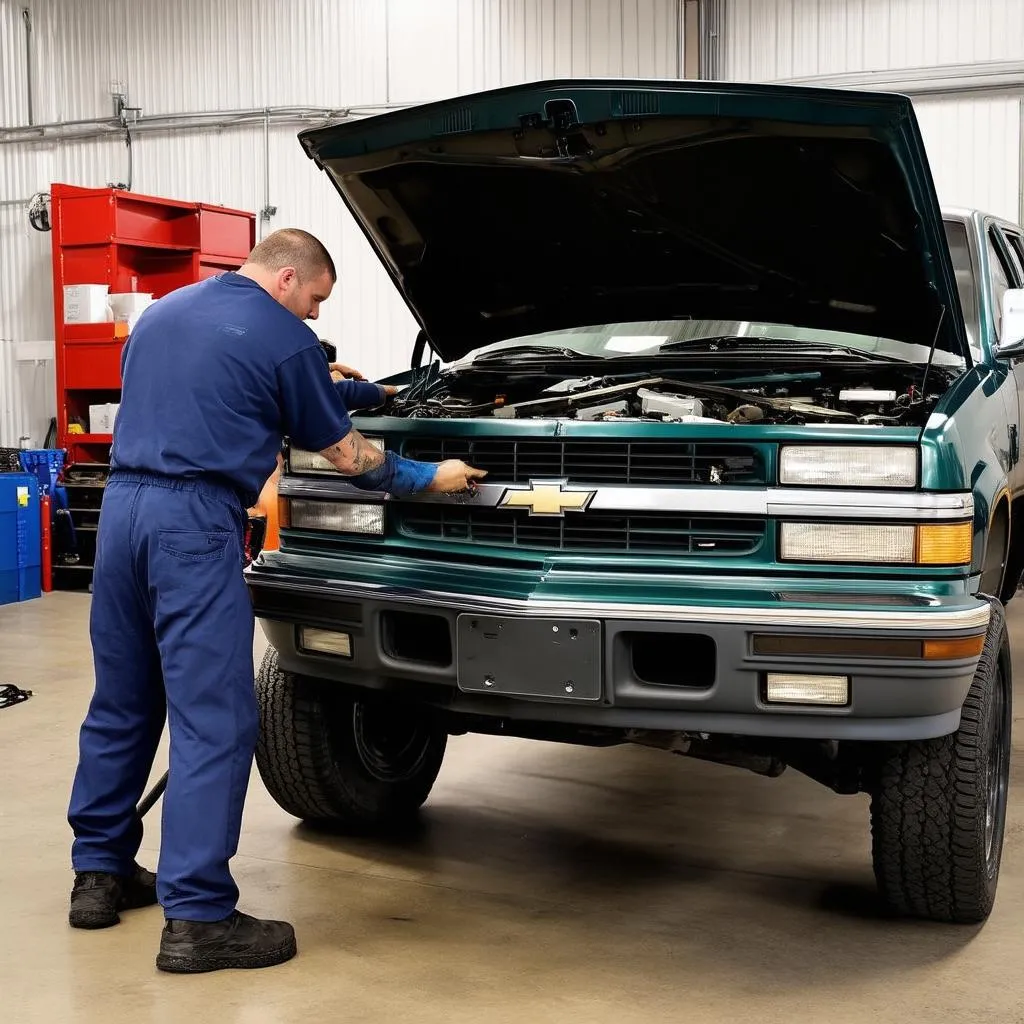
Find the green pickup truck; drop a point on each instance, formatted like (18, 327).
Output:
(750, 406)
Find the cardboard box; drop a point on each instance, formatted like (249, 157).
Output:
(86, 304)
(101, 418)
(125, 305)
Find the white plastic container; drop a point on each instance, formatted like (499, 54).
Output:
(86, 304)
(101, 418)
(126, 304)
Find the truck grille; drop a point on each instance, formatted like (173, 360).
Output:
(647, 532)
(598, 461)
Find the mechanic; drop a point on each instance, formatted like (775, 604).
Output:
(214, 375)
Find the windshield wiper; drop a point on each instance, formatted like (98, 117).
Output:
(519, 351)
(781, 346)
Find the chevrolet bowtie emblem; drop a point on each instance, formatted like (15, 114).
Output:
(546, 499)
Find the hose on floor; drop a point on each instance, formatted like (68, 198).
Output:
(11, 695)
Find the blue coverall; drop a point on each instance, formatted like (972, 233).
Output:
(214, 376)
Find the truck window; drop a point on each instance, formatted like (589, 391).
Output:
(966, 279)
(1002, 277)
(1015, 245)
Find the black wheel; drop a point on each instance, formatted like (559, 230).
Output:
(350, 762)
(938, 807)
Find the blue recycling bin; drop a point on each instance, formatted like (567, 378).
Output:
(46, 464)
(21, 555)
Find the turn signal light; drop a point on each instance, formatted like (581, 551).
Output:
(944, 543)
(954, 648)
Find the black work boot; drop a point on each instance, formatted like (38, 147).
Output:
(97, 896)
(239, 941)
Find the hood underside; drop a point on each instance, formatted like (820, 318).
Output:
(565, 204)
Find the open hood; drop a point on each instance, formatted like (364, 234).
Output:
(573, 203)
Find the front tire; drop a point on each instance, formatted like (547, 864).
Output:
(334, 759)
(938, 807)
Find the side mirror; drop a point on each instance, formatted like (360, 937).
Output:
(1012, 328)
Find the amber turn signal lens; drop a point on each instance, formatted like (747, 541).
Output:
(944, 543)
(284, 511)
(954, 648)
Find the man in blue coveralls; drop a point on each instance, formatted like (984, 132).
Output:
(214, 376)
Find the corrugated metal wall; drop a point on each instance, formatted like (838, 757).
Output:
(767, 40)
(179, 56)
(974, 148)
(973, 140)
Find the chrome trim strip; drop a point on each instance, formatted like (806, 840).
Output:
(975, 618)
(707, 499)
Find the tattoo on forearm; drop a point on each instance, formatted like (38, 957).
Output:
(354, 455)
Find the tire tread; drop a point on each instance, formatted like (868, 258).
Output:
(928, 810)
(308, 775)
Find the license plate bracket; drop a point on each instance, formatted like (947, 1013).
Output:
(556, 659)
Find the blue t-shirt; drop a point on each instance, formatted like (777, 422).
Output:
(214, 376)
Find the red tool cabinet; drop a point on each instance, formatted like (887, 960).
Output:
(117, 238)
(109, 236)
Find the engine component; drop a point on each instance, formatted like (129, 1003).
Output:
(746, 414)
(572, 384)
(599, 412)
(652, 403)
(561, 403)
(870, 395)
(874, 397)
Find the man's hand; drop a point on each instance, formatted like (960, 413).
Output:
(339, 371)
(454, 475)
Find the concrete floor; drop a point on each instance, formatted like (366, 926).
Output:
(548, 884)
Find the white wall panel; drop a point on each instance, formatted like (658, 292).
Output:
(13, 91)
(778, 39)
(28, 398)
(589, 39)
(185, 55)
(974, 149)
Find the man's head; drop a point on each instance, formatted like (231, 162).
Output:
(295, 268)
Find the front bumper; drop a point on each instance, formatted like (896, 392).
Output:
(892, 696)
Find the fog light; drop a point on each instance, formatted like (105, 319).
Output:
(791, 688)
(325, 641)
(337, 516)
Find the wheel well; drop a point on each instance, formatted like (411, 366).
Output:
(1015, 555)
(997, 541)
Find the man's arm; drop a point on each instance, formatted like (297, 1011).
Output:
(353, 455)
(361, 394)
(372, 470)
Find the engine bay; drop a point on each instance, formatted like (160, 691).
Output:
(883, 395)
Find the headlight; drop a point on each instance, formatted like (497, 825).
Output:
(301, 461)
(848, 466)
(336, 516)
(924, 544)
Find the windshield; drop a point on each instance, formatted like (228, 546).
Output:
(650, 337)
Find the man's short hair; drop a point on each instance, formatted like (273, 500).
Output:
(293, 247)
